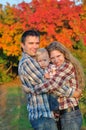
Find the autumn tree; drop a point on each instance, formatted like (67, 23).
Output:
(56, 20)
(10, 33)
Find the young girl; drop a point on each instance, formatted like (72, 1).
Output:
(69, 72)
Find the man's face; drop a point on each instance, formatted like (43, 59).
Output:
(31, 45)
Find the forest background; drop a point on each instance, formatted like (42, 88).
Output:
(61, 21)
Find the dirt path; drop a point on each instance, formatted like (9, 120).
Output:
(7, 104)
(14, 82)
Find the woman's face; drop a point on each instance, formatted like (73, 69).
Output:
(57, 57)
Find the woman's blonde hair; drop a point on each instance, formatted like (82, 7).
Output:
(69, 57)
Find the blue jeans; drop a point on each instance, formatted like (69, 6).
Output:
(71, 120)
(44, 123)
(53, 103)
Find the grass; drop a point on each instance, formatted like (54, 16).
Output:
(83, 110)
(19, 111)
(15, 116)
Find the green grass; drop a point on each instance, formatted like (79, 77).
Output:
(83, 111)
(16, 113)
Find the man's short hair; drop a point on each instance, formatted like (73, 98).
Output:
(31, 32)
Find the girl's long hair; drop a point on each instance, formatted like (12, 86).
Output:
(69, 57)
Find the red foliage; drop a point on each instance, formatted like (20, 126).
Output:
(56, 20)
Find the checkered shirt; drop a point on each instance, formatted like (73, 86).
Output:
(31, 74)
(65, 76)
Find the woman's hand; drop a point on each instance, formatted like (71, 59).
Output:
(77, 93)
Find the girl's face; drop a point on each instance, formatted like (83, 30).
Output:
(57, 57)
(43, 60)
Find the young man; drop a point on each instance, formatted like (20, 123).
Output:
(30, 73)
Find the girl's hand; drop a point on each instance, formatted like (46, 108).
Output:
(47, 76)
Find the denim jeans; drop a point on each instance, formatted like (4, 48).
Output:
(71, 120)
(44, 123)
(53, 103)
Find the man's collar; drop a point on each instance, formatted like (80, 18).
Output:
(25, 53)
